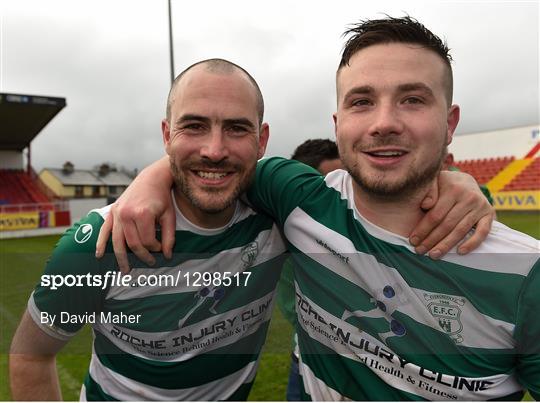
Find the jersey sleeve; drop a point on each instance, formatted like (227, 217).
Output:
(528, 333)
(286, 297)
(69, 291)
(281, 185)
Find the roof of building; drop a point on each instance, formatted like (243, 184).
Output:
(86, 177)
(22, 117)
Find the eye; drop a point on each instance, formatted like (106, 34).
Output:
(193, 127)
(237, 130)
(361, 102)
(413, 100)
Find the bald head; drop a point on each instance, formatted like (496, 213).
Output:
(219, 67)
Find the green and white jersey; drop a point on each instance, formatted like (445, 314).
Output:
(180, 337)
(376, 321)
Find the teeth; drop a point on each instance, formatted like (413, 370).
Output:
(387, 153)
(211, 175)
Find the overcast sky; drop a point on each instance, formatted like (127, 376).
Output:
(110, 60)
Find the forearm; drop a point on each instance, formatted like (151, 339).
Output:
(33, 377)
(133, 217)
(159, 172)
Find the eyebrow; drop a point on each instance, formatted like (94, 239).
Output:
(239, 121)
(364, 89)
(199, 118)
(415, 87)
(367, 89)
(190, 117)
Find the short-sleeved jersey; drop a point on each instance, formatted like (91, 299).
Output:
(179, 337)
(376, 321)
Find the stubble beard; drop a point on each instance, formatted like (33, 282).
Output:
(218, 201)
(416, 180)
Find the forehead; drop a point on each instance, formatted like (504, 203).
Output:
(388, 65)
(221, 94)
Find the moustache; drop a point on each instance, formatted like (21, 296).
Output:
(383, 142)
(207, 164)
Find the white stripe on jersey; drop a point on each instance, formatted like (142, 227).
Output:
(513, 252)
(123, 388)
(366, 272)
(386, 364)
(193, 340)
(229, 260)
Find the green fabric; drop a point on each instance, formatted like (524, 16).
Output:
(376, 321)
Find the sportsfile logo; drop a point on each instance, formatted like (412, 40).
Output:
(110, 278)
(116, 279)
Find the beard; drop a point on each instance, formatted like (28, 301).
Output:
(208, 199)
(416, 178)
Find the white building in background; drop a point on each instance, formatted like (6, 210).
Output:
(517, 142)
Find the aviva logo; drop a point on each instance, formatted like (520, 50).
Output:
(522, 200)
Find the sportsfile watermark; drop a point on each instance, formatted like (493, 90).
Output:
(116, 279)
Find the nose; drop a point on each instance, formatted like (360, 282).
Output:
(215, 146)
(386, 121)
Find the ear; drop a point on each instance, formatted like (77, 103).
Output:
(166, 133)
(264, 134)
(334, 117)
(452, 121)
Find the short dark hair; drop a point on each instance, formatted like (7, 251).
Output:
(219, 66)
(313, 152)
(395, 30)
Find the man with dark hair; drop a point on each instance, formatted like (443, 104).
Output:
(321, 154)
(397, 30)
(378, 320)
(189, 336)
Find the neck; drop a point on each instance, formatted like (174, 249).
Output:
(398, 215)
(201, 218)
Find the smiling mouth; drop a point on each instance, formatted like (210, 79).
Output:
(212, 175)
(386, 153)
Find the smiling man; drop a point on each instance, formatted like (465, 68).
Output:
(378, 320)
(199, 336)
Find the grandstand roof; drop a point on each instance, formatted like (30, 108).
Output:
(84, 177)
(22, 117)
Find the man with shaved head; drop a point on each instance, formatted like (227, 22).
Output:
(200, 337)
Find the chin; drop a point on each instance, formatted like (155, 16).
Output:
(213, 203)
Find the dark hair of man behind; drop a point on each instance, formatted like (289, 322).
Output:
(313, 152)
(395, 30)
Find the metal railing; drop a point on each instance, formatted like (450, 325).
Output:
(61, 205)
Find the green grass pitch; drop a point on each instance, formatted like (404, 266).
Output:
(21, 264)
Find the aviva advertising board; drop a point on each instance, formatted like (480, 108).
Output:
(518, 200)
(16, 221)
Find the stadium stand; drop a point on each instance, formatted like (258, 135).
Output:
(483, 170)
(17, 187)
(24, 204)
(528, 179)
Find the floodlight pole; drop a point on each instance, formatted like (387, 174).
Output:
(171, 54)
(29, 162)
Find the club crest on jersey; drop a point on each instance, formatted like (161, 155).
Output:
(446, 309)
(83, 233)
(249, 253)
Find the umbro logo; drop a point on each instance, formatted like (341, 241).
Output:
(83, 233)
